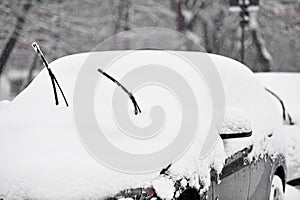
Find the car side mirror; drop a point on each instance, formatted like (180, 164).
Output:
(235, 125)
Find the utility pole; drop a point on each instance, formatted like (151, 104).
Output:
(243, 6)
(243, 23)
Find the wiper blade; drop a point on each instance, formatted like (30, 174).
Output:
(164, 170)
(137, 109)
(285, 115)
(54, 81)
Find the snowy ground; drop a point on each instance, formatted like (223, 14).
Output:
(291, 193)
(286, 86)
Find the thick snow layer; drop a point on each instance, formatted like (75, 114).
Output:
(164, 187)
(4, 103)
(245, 92)
(42, 156)
(235, 121)
(286, 86)
(291, 193)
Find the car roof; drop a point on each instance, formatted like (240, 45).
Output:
(241, 87)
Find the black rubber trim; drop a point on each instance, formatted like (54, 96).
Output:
(236, 135)
(294, 182)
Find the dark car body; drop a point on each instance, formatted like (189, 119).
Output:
(241, 179)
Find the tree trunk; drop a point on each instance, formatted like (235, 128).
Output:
(206, 36)
(123, 14)
(264, 55)
(29, 77)
(13, 38)
(123, 23)
(187, 14)
(218, 23)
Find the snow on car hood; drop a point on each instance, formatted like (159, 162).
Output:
(42, 156)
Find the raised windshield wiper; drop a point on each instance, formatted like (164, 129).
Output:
(54, 81)
(137, 109)
(285, 115)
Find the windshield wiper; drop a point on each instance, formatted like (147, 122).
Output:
(137, 109)
(54, 81)
(285, 115)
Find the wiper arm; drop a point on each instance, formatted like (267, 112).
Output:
(284, 111)
(54, 81)
(137, 109)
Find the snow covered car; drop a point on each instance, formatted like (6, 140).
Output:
(283, 86)
(42, 156)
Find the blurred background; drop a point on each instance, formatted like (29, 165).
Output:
(63, 27)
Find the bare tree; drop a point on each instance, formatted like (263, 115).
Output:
(218, 21)
(123, 16)
(30, 75)
(264, 55)
(13, 37)
(187, 15)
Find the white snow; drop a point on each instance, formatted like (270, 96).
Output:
(245, 92)
(286, 86)
(42, 156)
(235, 121)
(164, 187)
(188, 15)
(291, 193)
(4, 103)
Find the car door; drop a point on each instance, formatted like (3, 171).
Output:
(234, 180)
